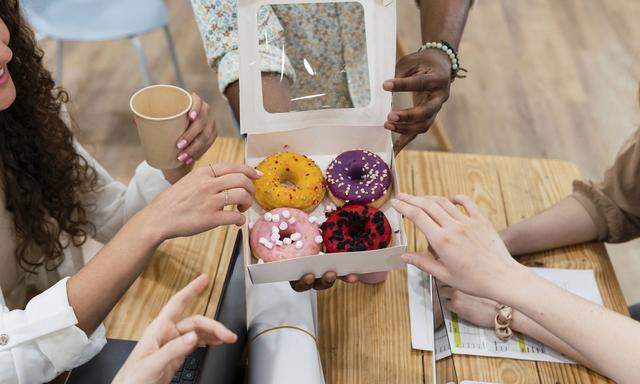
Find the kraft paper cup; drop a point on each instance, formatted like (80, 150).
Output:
(161, 118)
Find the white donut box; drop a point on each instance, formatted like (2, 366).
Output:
(321, 135)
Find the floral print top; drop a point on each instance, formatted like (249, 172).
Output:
(324, 56)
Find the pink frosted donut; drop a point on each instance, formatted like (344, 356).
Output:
(285, 233)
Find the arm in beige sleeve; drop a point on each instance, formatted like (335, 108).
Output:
(606, 211)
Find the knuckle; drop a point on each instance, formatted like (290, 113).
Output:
(430, 204)
(463, 198)
(412, 213)
(444, 239)
(423, 67)
(441, 199)
(459, 230)
(166, 328)
(244, 195)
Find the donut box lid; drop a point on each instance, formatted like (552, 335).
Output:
(326, 61)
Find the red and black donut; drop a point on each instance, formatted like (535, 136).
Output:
(354, 228)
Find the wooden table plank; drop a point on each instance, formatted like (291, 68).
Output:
(406, 178)
(364, 335)
(476, 176)
(174, 264)
(543, 183)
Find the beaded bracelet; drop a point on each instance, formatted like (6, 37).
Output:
(451, 52)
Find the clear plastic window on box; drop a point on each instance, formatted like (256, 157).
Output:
(314, 56)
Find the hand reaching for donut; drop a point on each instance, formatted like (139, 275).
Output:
(196, 203)
(468, 253)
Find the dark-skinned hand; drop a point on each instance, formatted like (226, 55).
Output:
(427, 74)
(327, 280)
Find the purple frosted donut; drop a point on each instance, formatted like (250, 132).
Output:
(358, 177)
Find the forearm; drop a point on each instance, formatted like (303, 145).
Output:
(275, 92)
(523, 324)
(565, 223)
(97, 287)
(443, 20)
(606, 340)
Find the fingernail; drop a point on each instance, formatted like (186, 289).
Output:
(190, 338)
(259, 173)
(182, 144)
(394, 117)
(182, 157)
(189, 161)
(388, 84)
(193, 114)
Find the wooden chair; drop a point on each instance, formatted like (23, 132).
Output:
(441, 135)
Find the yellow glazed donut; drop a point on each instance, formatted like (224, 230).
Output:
(290, 180)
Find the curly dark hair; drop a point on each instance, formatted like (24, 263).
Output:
(43, 176)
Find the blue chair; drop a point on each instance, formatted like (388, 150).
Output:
(95, 20)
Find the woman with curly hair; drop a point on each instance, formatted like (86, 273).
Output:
(53, 195)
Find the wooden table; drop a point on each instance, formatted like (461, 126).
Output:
(364, 332)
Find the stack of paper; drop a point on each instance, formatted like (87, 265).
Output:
(468, 339)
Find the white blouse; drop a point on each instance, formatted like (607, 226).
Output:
(42, 341)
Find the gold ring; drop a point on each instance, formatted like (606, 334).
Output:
(213, 172)
(226, 197)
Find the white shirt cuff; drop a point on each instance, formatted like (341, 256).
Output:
(44, 339)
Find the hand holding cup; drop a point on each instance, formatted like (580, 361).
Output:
(175, 128)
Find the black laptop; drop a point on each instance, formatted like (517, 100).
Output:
(211, 365)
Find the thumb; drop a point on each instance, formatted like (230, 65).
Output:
(404, 67)
(176, 349)
(427, 263)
